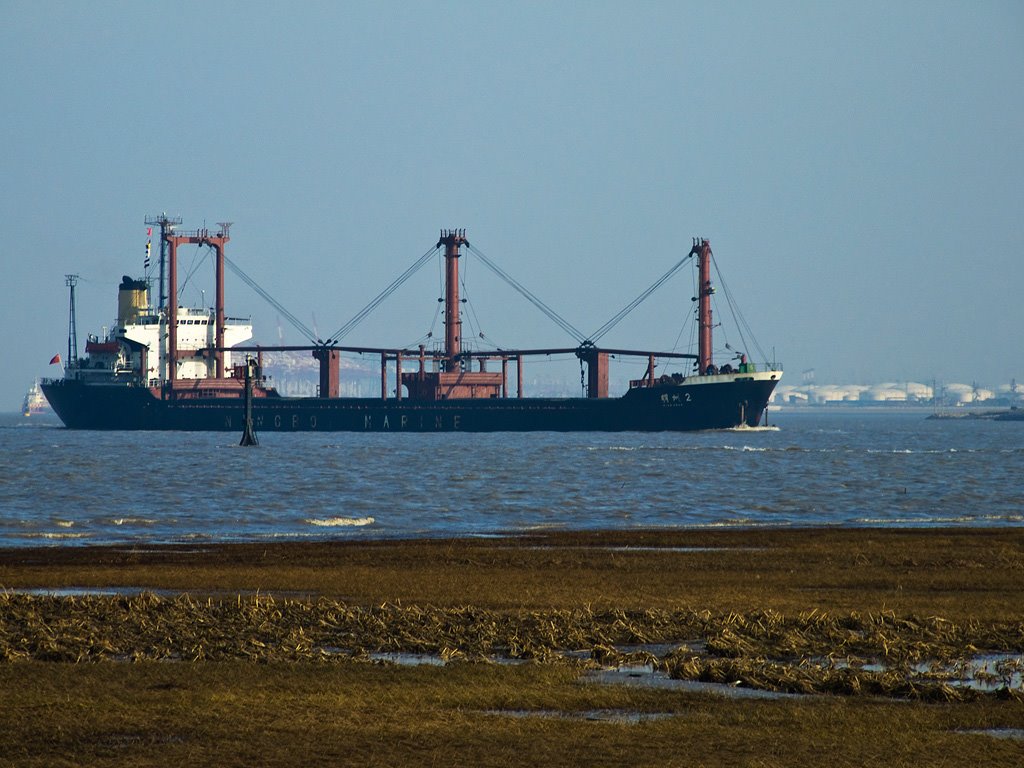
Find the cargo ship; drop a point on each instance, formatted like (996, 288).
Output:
(163, 366)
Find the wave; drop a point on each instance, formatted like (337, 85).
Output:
(926, 520)
(705, 448)
(741, 522)
(923, 451)
(334, 522)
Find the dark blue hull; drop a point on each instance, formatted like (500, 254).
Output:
(673, 407)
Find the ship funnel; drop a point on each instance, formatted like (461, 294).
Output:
(132, 300)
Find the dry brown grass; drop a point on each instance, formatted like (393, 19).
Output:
(812, 652)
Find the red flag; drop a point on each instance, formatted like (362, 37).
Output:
(149, 231)
(55, 360)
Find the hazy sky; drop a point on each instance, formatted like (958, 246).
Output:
(858, 168)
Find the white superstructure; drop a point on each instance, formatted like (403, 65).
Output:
(138, 341)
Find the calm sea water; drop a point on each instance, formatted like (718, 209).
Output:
(63, 487)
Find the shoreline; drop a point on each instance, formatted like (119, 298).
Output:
(44, 542)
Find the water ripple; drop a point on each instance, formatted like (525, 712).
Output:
(62, 487)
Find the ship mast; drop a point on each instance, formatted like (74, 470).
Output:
(70, 281)
(452, 240)
(704, 290)
(167, 225)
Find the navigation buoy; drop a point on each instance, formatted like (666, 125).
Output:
(248, 433)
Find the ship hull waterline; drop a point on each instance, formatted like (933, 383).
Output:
(703, 405)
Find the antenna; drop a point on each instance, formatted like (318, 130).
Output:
(167, 225)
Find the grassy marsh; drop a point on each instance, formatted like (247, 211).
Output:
(266, 659)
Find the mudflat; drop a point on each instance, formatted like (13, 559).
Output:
(885, 646)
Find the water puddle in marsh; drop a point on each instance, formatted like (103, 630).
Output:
(628, 717)
(986, 672)
(1015, 734)
(657, 650)
(135, 591)
(628, 674)
(92, 591)
(408, 659)
(647, 676)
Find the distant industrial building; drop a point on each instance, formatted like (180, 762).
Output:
(906, 392)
